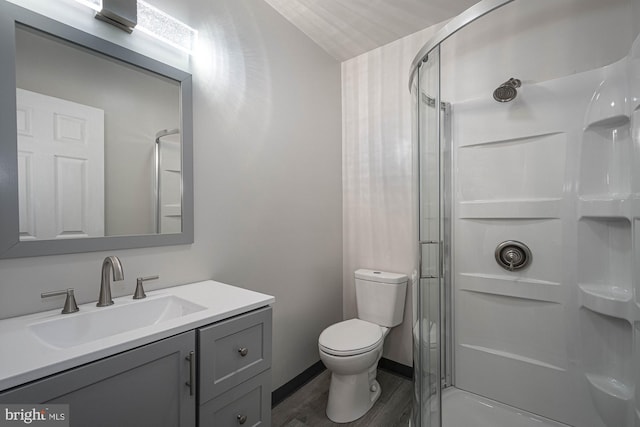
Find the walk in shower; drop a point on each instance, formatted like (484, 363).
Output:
(527, 125)
(168, 183)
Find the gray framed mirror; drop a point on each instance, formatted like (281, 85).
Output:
(96, 142)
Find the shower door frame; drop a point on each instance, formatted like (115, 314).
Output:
(470, 15)
(445, 330)
(434, 239)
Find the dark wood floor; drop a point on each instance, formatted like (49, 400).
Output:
(306, 407)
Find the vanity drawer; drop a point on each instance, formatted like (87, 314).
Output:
(233, 351)
(248, 404)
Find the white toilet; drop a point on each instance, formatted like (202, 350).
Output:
(351, 349)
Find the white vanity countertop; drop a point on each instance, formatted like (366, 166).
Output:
(24, 357)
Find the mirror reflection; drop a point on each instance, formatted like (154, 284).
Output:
(99, 143)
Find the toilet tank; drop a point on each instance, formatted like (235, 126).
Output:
(380, 296)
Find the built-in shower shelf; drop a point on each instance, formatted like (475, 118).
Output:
(607, 154)
(172, 210)
(619, 206)
(512, 208)
(612, 122)
(613, 399)
(612, 301)
(611, 387)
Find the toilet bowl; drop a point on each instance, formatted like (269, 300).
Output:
(351, 351)
(352, 348)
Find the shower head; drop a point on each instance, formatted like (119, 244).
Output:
(166, 132)
(507, 91)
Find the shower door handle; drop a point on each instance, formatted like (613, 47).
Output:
(430, 259)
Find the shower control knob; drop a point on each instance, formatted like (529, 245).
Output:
(513, 255)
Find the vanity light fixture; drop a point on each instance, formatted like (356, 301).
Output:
(127, 14)
(166, 28)
(121, 13)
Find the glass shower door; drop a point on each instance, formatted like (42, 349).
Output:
(430, 290)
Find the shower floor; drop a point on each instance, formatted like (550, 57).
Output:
(464, 409)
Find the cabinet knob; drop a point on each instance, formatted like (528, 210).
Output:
(242, 419)
(243, 351)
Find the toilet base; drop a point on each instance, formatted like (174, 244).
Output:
(351, 396)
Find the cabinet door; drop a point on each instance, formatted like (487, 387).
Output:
(143, 387)
(247, 405)
(233, 351)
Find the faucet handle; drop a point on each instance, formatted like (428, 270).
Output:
(139, 293)
(70, 305)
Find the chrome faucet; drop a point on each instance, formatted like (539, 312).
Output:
(113, 263)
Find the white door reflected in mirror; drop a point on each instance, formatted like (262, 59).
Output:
(60, 168)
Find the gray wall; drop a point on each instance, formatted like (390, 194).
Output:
(267, 172)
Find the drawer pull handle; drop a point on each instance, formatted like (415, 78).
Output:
(192, 372)
(242, 419)
(243, 351)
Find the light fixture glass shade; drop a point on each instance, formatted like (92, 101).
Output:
(166, 28)
(159, 25)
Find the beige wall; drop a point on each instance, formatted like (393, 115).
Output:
(267, 174)
(378, 184)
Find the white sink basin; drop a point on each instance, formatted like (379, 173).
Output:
(50, 342)
(86, 326)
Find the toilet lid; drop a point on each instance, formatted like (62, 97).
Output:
(351, 337)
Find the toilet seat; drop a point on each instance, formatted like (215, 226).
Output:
(351, 337)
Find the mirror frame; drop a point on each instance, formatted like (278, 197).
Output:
(10, 245)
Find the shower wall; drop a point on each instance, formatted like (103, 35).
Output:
(553, 169)
(535, 41)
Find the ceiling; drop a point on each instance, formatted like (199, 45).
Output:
(347, 28)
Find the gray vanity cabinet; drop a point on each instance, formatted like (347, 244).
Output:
(235, 371)
(142, 387)
(150, 386)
